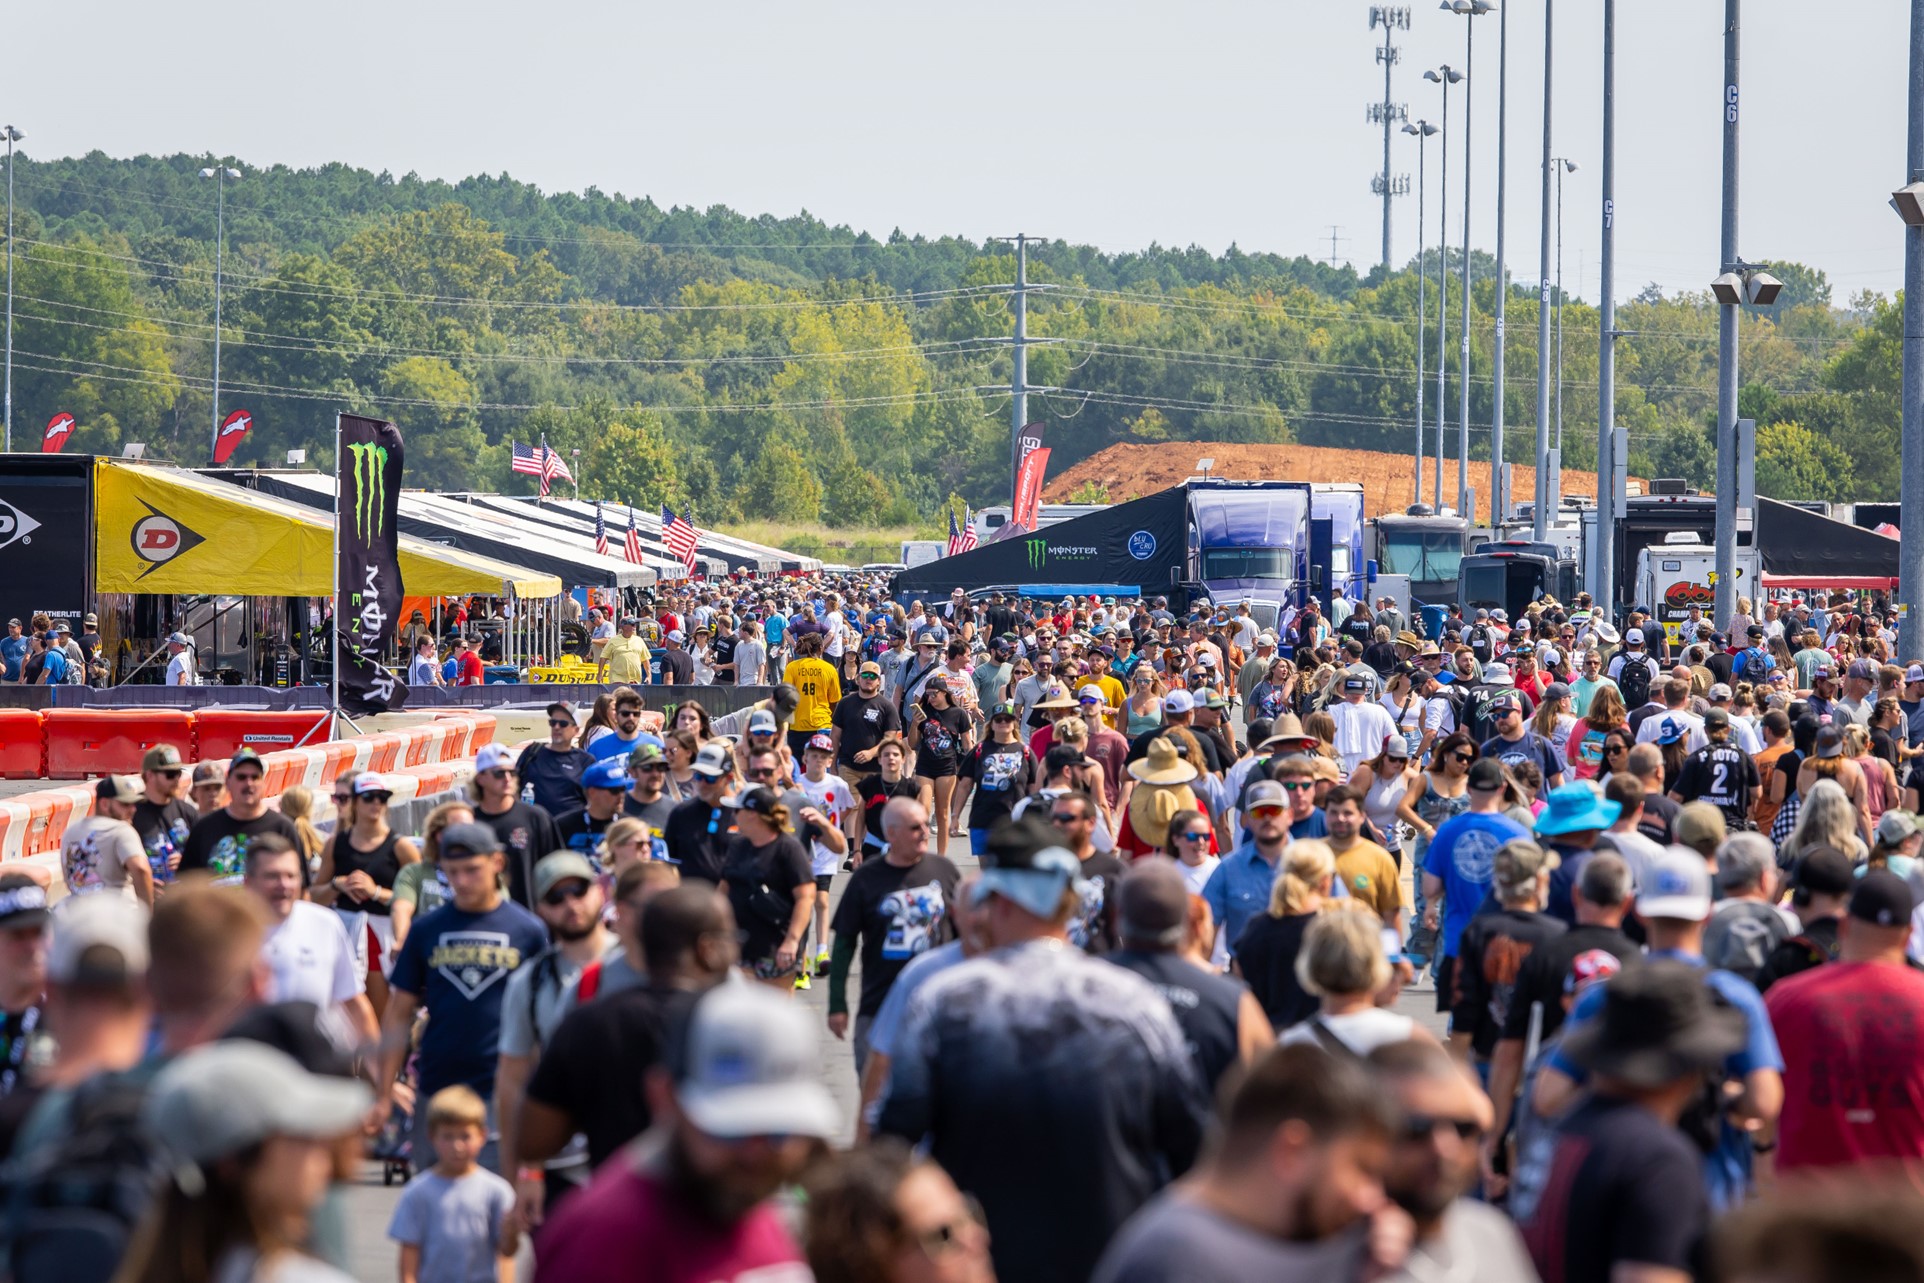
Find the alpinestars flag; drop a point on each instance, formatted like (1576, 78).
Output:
(631, 543)
(678, 533)
(601, 533)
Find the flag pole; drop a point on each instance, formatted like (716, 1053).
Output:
(334, 628)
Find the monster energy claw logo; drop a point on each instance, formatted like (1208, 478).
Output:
(1038, 552)
(370, 489)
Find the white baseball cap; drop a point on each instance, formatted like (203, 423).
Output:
(1178, 701)
(750, 1068)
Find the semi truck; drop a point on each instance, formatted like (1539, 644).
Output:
(1426, 546)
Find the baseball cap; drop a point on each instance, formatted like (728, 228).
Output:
(1264, 793)
(870, 668)
(1356, 682)
(1862, 670)
(245, 757)
(758, 798)
(762, 722)
(557, 867)
(1755, 630)
(1882, 899)
(643, 755)
(1718, 691)
(1716, 719)
(1556, 690)
(1026, 864)
(748, 1067)
(712, 761)
(1517, 864)
(173, 639)
(1824, 870)
(1896, 826)
(820, 743)
(1178, 701)
(1091, 693)
(458, 840)
(206, 773)
(23, 902)
(607, 775)
(1915, 673)
(1633, 637)
(1675, 884)
(98, 940)
(1830, 741)
(492, 757)
(1210, 697)
(224, 1098)
(1670, 730)
(118, 788)
(1485, 775)
(162, 757)
(1495, 674)
(1153, 904)
(676, 634)
(370, 782)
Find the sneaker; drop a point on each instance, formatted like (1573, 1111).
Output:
(821, 963)
(801, 981)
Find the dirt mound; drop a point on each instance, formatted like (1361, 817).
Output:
(1388, 480)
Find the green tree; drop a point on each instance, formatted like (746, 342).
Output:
(779, 484)
(1795, 463)
(634, 464)
(434, 405)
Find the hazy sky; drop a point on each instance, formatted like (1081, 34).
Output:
(1118, 123)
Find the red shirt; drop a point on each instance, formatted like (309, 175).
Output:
(1852, 1035)
(467, 669)
(604, 1234)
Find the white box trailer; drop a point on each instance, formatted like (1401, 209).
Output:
(1673, 577)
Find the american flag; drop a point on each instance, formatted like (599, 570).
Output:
(678, 533)
(968, 531)
(553, 466)
(601, 533)
(631, 543)
(539, 461)
(525, 460)
(955, 535)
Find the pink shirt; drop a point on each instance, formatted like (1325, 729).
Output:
(605, 1232)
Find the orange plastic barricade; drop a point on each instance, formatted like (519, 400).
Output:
(483, 731)
(313, 766)
(385, 749)
(433, 778)
(337, 759)
(403, 786)
(83, 742)
(23, 744)
(219, 732)
(419, 743)
(456, 732)
(363, 759)
(16, 817)
(39, 819)
(283, 769)
(74, 802)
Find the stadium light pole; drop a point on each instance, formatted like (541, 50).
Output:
(1422, 129)
(1604, 565)
(12, 135)
(1562, 167)
(220, 174)
(1909, 203)
(1469, 9)
(1730, 301)
(1445, 76)
(1549, 477)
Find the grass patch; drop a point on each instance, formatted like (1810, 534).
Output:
(852, 546)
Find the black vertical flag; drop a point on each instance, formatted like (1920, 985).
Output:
(369, 571)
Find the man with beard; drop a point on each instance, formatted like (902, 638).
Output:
(741, 1112)
(1299, 1161)
(1433, 1164)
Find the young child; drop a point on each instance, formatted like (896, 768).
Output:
(831, 795)
(451, 1219)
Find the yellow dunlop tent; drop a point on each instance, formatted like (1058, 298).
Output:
(159, 530)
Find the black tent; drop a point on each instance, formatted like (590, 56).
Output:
(1796, 544)
(1141, 543)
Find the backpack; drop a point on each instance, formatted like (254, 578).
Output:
(1753, 667)
(1482, 644)
(1633, 681)
(84, 1171)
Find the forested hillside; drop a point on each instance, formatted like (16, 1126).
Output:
(781, 368)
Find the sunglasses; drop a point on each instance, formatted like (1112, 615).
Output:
(562, 721)
(1062, 817)
(562, 894)
(1420, 1127)
(1267, 811)
(342, 799)
(1465, 758)
(761, 773)
(627, 712)
(498, 773)
(1198, 835)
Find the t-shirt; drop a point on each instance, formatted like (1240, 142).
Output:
(591, 1069)
(863, 723)
(627, 659)
(536, 1000)
(581, 832)
(1360, 1031)
(899, 913)
(1207, 1007)
(458, 963)
(1552, 973)
(698, 836)
(1094, 927)
(554, 777)
(456, 1224)
(310, 958)
(876, 793)
(1490, 960)
(163, 831)
(818, 687)
(762, 881)
(677, 667)
(605, 744)
(1371, 877)
(1853, 1047)
(1611, 1183)
(831, 796)
(1003, 775)
(180, 669)
(941, 741)
(1463, 855)
(13, 654)
(526, 833)
(1266, 954)
(218, 842)
(96, 852)
(1177, 1238)
(1531, 747)
(1659, 822)
(1724, 776)
(750, 658)
(655, 815)
(423, 886)
(598, 1234)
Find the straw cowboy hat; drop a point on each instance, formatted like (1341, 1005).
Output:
(1287, 732)
(1058, 697)
(1162, 765)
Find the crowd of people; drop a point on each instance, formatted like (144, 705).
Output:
(1108, 904)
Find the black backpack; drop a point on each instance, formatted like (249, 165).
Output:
(1482, 644)
(1755, 667)
(85, 1170)
(1633, 681)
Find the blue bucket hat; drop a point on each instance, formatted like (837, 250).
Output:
(1575, 808)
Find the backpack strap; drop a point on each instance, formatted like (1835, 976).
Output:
(590, 983)
(1326, 1038)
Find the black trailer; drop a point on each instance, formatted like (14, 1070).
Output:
(1143, 542)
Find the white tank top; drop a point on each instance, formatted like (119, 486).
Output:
(1380, 804)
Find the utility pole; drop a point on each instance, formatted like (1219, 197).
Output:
(1910, 541)
(12, 136)
(1605, 567)
(1548, 465)
(1333, 238)
(1728, 315)
(1388, 113)
(1423, 129)
(220, 174)
(1500, 492)
(1019, 377)
(1446, 76)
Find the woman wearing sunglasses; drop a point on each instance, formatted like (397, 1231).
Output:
(1445, 794)
(884, 1214)
(770, 883)
(1583, 748)
(1188, 845)
(358, 868)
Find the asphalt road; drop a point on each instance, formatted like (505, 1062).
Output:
(370, 1204)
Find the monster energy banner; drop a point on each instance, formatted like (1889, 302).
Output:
(1142, 543)
(368, 569)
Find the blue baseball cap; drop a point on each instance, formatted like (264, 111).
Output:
(608, 775)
